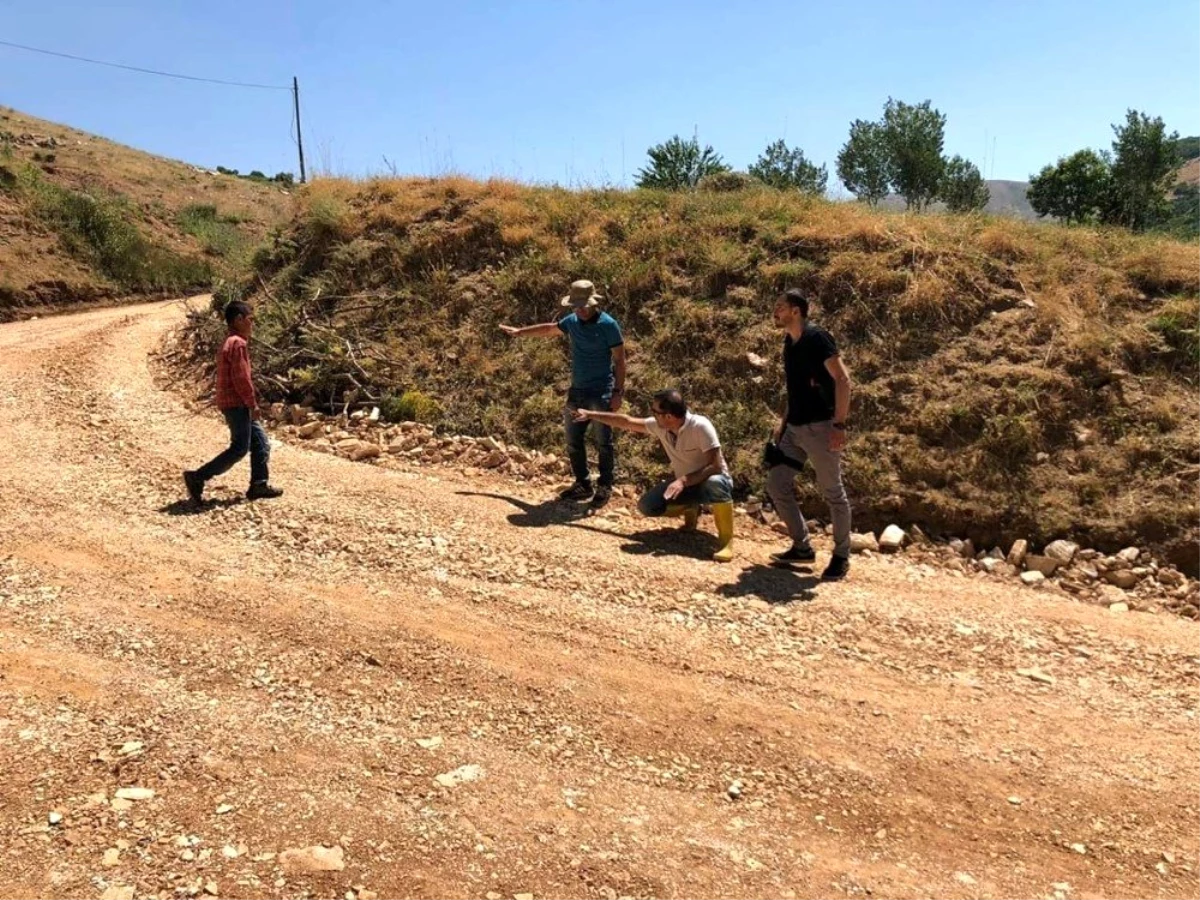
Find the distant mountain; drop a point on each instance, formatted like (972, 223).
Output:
(1007, 199)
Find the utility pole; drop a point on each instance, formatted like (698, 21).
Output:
(299, 138)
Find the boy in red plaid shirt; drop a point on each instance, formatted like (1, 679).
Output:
(237, 400)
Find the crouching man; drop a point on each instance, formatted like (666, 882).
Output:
(701, 475)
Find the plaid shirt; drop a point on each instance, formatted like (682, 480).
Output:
(234, 386)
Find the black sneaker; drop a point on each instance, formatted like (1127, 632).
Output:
(602, 496)
(195, 485)
(838, 568)
(580, 490)
(263, 491)
(796, 554)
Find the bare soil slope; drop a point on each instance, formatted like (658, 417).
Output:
(300, 672)
(39, 266)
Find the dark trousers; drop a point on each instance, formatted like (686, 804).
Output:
(245, 436)
(577, 434)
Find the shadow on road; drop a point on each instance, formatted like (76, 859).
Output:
(668, 541)
(188, 507)
(537, 515)
(775, 584)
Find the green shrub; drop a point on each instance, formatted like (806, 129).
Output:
(411, 406)
(219, 235)
(102, 230)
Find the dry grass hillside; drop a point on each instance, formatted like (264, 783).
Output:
(1012, 380)
(83, 218)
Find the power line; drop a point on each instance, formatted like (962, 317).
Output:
(100, 62)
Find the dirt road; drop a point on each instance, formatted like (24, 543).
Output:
(299, 672)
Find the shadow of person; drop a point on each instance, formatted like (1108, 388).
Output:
(774, 584)
(537, 515)
(189, 507)
(668, 541)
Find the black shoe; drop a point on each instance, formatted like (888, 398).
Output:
(796, 554)
(580, 490)
(195, 485)
(602, 496)
(262, 491)
(838, 568)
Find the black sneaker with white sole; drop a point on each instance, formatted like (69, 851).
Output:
(797, 553)
(580, 490)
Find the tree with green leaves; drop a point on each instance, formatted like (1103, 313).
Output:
(914, 136)
(787, 168)
(862, 163)
(963, 188)
(1143, 171)
(1075, 189)
(678, 165)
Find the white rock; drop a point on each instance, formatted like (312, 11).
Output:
(1118, 607)
(55, 818)
(1033, 577)
(130, 747)
(1045, 565)
(1018, 552)
(1129, 555)
(459, 776)
(430, 743)
(755, 360)
(1036, 674)
(112, 857)
(134, 793)
(964, 878)
(313, 859)
(311, 429)
(118, 892)
(892, 539)
(861, 542)
(1063, 551)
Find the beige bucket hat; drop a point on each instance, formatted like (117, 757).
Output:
(583, 293)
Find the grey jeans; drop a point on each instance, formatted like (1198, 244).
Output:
(811, 442)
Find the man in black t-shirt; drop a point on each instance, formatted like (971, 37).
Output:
(813, 427)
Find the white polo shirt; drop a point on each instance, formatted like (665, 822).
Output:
(689, 448)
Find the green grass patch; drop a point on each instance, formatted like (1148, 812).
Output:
(219, 235)
(102, 230)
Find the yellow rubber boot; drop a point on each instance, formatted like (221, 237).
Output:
(691, 514)
(723, 516)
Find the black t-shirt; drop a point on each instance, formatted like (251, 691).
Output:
(809, 384)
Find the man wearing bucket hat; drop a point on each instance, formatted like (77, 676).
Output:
(597, 383)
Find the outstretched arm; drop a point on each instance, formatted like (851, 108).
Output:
(547, 329)
(614, 420)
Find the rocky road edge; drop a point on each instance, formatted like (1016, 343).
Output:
(1128, 580)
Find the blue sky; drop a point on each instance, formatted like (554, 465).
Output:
(574, 92)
